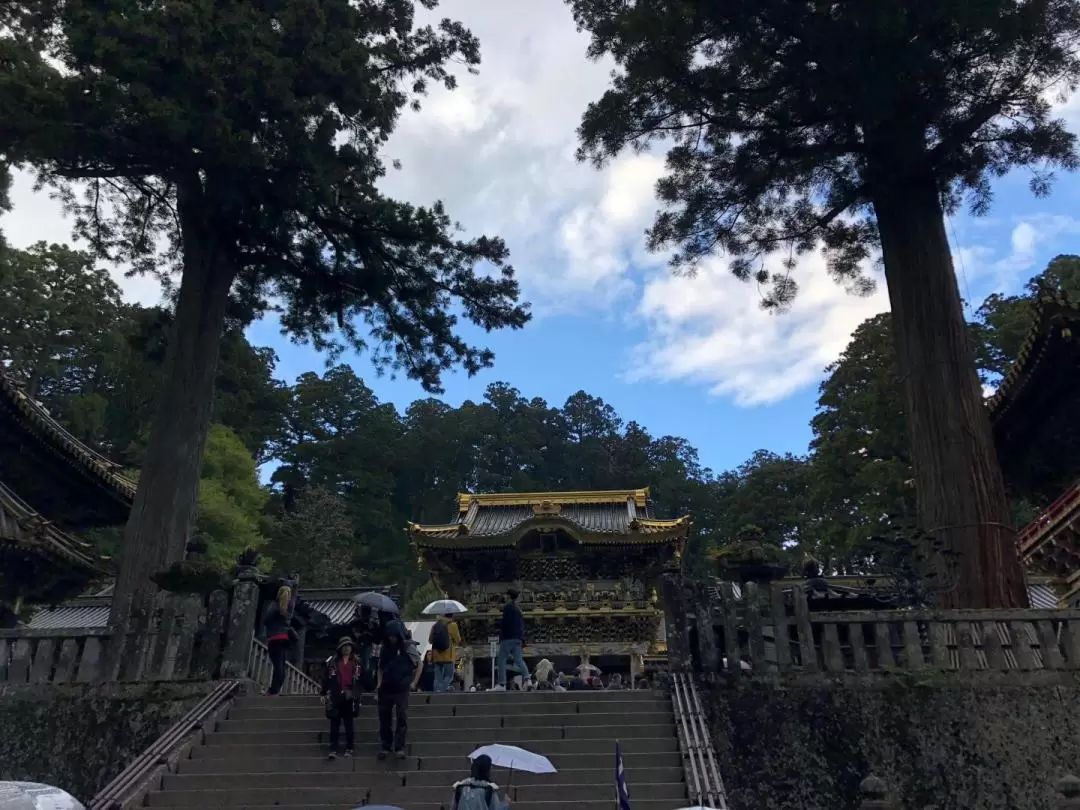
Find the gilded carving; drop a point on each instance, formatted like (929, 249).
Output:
(546, 508)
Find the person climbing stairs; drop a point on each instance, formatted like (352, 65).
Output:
(272, 753)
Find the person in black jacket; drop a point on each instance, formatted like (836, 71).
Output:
(340, 689)
(511, 640)
(399, 672)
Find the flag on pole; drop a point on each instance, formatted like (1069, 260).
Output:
(621, 794)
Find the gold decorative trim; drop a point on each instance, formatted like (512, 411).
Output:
(639, 496)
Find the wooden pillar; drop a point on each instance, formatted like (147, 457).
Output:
(635, 670)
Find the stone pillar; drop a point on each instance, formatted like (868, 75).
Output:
(468, 670)
(703, 617)
(239, 631)
(1068, 790)
(298, 649)
(678, 642)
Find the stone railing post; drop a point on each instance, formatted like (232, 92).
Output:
(1068, 793)
(875, 794)
(238, 632)
(673, 599)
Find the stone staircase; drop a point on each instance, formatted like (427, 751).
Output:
(271, 753)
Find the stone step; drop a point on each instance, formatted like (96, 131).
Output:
(658, 804)
(224, 747)
(474, 698)
(445, 723)
(308, 761)
(373, 774)
(271, 709)
(252, 792)
(512, 736)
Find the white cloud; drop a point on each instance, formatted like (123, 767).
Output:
(37, 217)
(711, 328)
(500, 152)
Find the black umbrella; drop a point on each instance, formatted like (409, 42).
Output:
(378, 601)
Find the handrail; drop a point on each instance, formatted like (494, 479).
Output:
(259, 669)
(1049, 516)
(128, 781)
(707, 789)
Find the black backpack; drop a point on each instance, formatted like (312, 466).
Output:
(440, 637)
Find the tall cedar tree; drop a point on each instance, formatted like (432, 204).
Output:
(855, 126)
(248, 135)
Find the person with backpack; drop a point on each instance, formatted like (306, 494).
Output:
(445, 638)
(399, 672)
(279, 636)
(478, 792)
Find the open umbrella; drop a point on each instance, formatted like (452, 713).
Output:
(589, 668)
(34, 796)
(377, 601)
(510, 756)
(444, 607)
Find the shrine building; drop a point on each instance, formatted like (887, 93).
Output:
(587, 566)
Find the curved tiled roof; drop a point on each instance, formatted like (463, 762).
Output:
(598, 518)
(25, 529)
(37, 421)
(1053, 318)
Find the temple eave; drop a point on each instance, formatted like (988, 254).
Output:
(655, 536)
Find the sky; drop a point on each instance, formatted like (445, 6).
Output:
(692, 357)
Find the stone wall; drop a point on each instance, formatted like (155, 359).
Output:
(937, 742)
(79, 736)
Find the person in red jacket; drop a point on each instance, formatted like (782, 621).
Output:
(341, 688)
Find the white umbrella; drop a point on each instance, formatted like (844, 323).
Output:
(588, 668)
(34, 796)
(514, 758)
(444, 607)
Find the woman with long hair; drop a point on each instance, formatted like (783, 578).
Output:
(278, 639)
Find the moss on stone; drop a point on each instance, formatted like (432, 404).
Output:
(951, 747)
(79, 737)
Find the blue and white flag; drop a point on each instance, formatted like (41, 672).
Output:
(621, 793)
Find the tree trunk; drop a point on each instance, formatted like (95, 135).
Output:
(960, 492)
(165, 502)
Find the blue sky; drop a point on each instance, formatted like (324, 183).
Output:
(695, 358)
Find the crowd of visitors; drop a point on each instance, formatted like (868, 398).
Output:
(378, 655)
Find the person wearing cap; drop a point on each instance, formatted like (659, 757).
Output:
(341, 685)
(511, 640)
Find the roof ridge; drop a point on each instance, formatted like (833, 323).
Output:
(43, 423)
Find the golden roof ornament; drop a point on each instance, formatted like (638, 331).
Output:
(546, 508)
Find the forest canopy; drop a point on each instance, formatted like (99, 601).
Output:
(344, 471)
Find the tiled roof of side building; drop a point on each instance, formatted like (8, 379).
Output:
(37, 420)
(21, 527)
(1054, 318)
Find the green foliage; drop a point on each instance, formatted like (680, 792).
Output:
(57, 313)
(231, 499)
(249, 134)
(420, 598)
(317, 539)
(784, 119)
